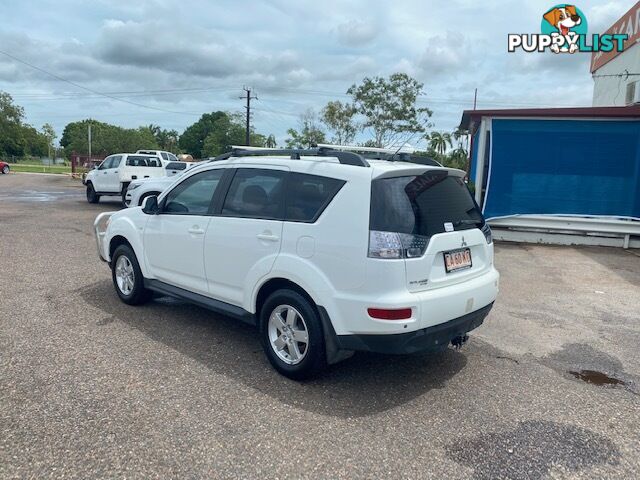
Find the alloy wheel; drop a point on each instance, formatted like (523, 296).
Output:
(288, 334)
(125, 276)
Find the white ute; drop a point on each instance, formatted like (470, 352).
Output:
(326, 251)
(115, 173)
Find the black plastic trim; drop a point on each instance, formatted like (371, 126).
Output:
(202, 301)
(432, 338)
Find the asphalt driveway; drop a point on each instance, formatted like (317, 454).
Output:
(548, 387)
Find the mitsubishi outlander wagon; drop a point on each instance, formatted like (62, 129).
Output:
(325, 251)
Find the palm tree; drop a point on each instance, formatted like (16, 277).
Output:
(439, 141)
(271, 141)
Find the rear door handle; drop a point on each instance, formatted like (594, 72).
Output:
(268, 237)
(195, 230)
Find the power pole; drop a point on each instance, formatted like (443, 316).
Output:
(89, 142)
(475, 99)
(248, 108)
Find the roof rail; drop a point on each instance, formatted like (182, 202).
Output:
(402, 154)
(358, 148)
(345, 158)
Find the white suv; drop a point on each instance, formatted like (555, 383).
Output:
(326, 251)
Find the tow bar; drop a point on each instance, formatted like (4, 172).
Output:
(459, 341)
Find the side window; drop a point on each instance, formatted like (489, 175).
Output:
(136, 162)
(256, 193)
(115, 161)
(164, 155)
(173, 158)
(105, 163)
(193, 196)
(309, 195)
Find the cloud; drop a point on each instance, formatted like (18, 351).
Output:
(294, 54)
(356, 33)
(604, 15)
(153, 45)
(451, 54)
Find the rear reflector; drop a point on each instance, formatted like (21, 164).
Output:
(385, 314)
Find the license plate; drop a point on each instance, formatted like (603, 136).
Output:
(457, 260)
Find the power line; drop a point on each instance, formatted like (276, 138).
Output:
(57, 77)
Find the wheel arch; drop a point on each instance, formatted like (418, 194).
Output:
(279, 283)
(116, 241)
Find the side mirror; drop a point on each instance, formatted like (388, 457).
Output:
(150, 205)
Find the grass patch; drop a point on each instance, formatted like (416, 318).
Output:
(19, 167)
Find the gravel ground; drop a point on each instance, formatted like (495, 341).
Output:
(92, 388)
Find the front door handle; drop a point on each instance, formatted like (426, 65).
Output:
(195, 230)
(268, 237)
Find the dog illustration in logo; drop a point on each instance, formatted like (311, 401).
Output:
(564, 19)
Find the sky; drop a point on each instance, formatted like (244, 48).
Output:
(167, 62)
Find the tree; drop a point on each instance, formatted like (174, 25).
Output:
(271, 141)
(389, 107)
(439, 141)
(192, 140)
(338, 117)
(309, 134)
(166, 139)
(12, 140)
(456, 159)
(50, 134)
(228, 130)
(18, 139)
(105, 138)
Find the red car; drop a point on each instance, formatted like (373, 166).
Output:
(4, 167)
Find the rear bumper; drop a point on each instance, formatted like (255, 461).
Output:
(427, 339)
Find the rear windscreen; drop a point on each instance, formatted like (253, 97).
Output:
(421, 205)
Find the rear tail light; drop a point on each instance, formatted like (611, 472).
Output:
(487, 233)
(389, 314)
(390, 245)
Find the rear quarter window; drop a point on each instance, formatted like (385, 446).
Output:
(309, 195)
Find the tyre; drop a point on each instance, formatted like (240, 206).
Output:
(127, 277)
(92, 196)
(5, 169)
(291, 335)
(124, 194)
